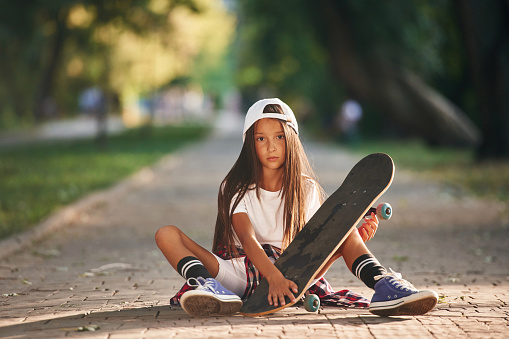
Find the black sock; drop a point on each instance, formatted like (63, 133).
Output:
(366, 268)
(191, 267)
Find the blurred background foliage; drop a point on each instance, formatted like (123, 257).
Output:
(436, 70)
(436, 56)
(432, 72)
(53, 50)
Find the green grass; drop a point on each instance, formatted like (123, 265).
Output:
(37, 179)
(452, 167)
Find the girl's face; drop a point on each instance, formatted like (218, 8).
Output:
(270, 143)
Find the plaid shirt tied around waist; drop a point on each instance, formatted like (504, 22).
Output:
(343, 298)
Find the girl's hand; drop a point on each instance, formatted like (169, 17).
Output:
(368, 228)
(279, 287)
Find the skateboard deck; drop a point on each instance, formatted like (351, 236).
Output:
(327, 229)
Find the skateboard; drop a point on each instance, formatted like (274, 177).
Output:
(327, 230)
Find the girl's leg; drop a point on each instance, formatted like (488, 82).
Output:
(353, 248)
(175, 246)
(393, 295)
(191, 260)
(358, 259)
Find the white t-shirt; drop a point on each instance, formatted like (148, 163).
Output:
(266, 213)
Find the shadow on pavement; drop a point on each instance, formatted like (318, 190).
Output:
(143, 319)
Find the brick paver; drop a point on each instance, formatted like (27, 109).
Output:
(101, 276)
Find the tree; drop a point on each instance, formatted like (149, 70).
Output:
(382, 54)
(394, 90)
(55, 49)
(485, 27)
(35, 34)
(19, 63)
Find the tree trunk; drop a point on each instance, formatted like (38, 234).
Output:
(45, 85)
(12, 89)
(485, 28)
(394, 91)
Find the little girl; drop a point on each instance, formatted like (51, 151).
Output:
(264, 201)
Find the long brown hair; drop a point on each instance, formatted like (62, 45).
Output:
(245, 174)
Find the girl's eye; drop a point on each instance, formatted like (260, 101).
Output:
(260, 138)
(281, 137)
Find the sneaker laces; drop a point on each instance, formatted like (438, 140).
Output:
(201, 283)
(397, 280)
(194, 282)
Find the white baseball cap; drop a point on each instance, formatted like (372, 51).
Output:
(255, 113)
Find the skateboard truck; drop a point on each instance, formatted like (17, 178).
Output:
(383, 211)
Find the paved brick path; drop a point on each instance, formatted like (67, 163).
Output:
(98, 274)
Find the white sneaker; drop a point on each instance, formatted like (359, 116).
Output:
(209, 298)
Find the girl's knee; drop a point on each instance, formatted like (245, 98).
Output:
(166, 233)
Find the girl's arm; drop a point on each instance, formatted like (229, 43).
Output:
(279, 286)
